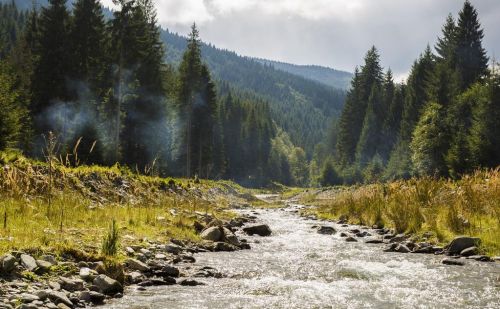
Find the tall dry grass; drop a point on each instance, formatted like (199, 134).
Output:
(58, 208)
(470, 206)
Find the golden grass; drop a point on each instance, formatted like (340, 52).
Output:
(470, 206)
(75, 215)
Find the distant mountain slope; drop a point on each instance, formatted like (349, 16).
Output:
(302, 107)
(325, 75)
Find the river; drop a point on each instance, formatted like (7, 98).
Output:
(298, 268)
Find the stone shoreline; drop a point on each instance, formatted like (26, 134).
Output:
(43, 281)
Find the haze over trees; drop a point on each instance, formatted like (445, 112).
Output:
(111, 91)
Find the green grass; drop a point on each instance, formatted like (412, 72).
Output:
(446, 208)
(74, 217)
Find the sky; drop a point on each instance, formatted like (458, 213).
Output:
(333, 33)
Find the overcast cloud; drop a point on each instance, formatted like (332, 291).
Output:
(334, 33)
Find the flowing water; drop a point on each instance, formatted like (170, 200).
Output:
(298, 268)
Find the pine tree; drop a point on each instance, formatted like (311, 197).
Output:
(12, 110)
(391, 111)
(348, 129)
(89, 73)
(472, 61)
(484, 137)
(429, 144)
(370, 139)
(52, 65)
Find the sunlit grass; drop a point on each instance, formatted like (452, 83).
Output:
(446, 208)
(85, 200)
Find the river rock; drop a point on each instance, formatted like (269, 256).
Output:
(28, 262)
(169, 271)
(212, 234)
(135, 277)
(398, 238)
(59, 297)
(460, 243)
(71, 285)
(480, 258)
(8, 263)
(402, 249)
(230, 237)
(28, 298)
(374, 241)
(87, 274)
(43, 265)
(93, 297)
(452, 262)
(326, 230)
(137, 265)
(223, 246)
(107, 285)
(469, 251)
(154, 282)
(173, 248)
(351, 239)
(190, 282)
(258, 229)
(423, 249)
(129, 251)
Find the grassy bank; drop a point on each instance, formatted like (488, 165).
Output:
(63, 210)
(445, 208)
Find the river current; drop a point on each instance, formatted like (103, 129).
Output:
(298, 268)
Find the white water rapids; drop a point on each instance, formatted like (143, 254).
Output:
(298, 268)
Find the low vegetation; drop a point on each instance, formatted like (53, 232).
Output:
(91, 210)
(443, 208)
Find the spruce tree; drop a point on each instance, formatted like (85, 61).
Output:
(472, 61)
(370, 139)
(89, 73)
(348, 129)
(429, 143)
(484, 135)
(52, 65)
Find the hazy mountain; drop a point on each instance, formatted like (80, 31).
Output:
(325, 75)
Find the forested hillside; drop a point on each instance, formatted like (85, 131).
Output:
(444, 121)
(299, 104)
(328, 76)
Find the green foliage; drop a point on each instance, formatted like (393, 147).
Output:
(428, 145)
(110, 243)
(12, 109)
(329, 175)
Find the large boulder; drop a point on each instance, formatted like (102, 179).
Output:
(258, 229)
(461, 243)
(7, 263)
(213, 233)
(28, 262)
(326, 230)
(107, 285)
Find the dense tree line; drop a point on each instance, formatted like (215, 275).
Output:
(103, 88)
(444, 121)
